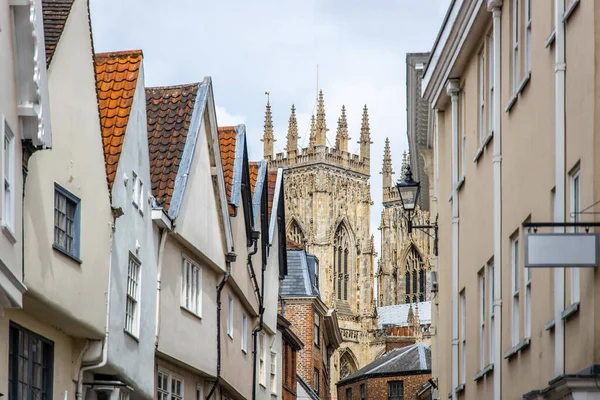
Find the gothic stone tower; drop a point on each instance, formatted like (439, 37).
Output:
(403, 274)
(328, 200)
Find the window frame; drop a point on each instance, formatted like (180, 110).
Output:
(171, 376)
(491, 280)
(528, 6)
(515, 45)
(574, 208)
(492, 74)
(363, 391)
(134, 329)
(481, 95)
(463, 336)
(135, 189)
(187, 291)
(69, 197)
(14, 353)
(262, 370)
(244, 333)
(349, 393)
(199, 391)
(400, 385)
(316, 329)
(316, 378)
(230, 311)
(515, 255)
(8, 177)
(482, 293)
(273, 373)
(463, 135)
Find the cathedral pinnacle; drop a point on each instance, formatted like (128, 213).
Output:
(313, 132)
(321, 128)
(365, 136)
(268, 137)
(341, 138)
(386, 170)
(292, 136)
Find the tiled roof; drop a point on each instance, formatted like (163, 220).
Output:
(299, 281)
(169, 111)
(116, 80)
(292, 245)
(400, 361)
(398, 314)
(271, 186)
(55, 14)
(253, 167)
(227, 140)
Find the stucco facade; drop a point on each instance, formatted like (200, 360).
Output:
(514, 142)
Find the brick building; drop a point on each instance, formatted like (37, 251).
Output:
(290, 345)
(400, 374)
(312, 321)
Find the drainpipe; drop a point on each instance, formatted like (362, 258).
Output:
(229, 259)
(495, 6)
(261, 309)
(452, 89)
(161, 249)
(559, 201)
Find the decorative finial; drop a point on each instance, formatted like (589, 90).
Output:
(313, 132)
(365, 136)
(321, 125)
(341, 138)
(292, 136)
(268, 136)
(386, 170)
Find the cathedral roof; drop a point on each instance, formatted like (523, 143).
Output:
(397, 315)
(408, 360)
(300, 278)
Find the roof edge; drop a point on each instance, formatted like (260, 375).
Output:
(261, 179)
(274, 208)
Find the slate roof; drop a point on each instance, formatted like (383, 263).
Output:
(169, 111)
(258, 172)
(299, 281)
(55, 14)
(397, 315)
(410, 360)
(307, 389)
(116, 81)
(227, 142)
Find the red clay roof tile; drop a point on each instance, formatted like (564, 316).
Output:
(227, 140)
(271, 182)
(169, 111)
(116, 80)
(55, 14)
(292, 245)
(253, 167)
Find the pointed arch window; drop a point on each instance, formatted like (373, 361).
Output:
(415, 284)
(295, 233)
(341, 256)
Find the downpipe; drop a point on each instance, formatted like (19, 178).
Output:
(260, 293)
(161, 249)
(219, 289)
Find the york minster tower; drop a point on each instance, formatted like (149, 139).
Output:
(328, 201)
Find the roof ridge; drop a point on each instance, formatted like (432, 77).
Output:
(183, 85)
(120, 53)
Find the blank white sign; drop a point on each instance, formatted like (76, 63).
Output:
(561, 250)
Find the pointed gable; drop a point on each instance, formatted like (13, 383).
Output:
(169, 111)
(55, 14)
(116, 81)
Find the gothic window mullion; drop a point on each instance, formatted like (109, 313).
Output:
(346, 274)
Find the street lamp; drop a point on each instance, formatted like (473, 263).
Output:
(409, 196)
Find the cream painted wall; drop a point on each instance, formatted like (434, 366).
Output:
(527, 180)
(10, 254)
(191, 381)
(198, 220)
(185, 336)
(74, 294)
(131, 357)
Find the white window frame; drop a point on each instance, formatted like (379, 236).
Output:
(481, 98)
(515, 45)
(191, 286)
(491, 305)
(491, 83)
(463, 338)
(140, 204)
(575, 207)
(230, 317)
(528, 35)
(515, 290)
(463, 136)
(316, 329)
(132, 301)
(8, 177)
(168, 394)
(273, 373)
(244, 333)
(135, 196)
(262, 373)
(482, 294)
(199, 391)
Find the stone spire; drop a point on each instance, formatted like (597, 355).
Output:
(292, 135)
(341, 138)
(321, 131)
(365, 136)
(386, 170)
(313, 133)
(268, 137)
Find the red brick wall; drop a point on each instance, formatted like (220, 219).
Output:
(377, 388)
(301, 314)
(289, 373)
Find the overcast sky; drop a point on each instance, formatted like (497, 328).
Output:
(249, 47)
